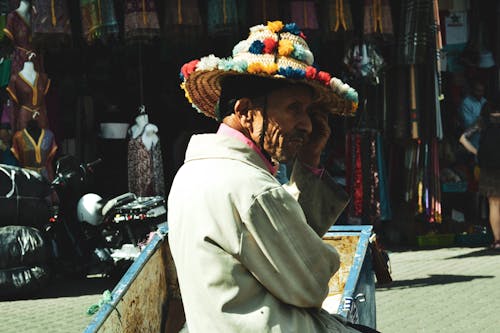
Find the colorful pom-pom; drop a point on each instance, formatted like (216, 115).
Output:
(285, 47)
(257, 47)
(269, 45)
(275, 26)
(188, 68)
(311, 72)
(323, 77)
(292, 28)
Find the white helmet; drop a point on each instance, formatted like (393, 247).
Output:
(89, 209)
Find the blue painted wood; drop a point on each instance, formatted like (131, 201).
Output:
(126, 280)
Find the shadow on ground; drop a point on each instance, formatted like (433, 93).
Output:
(431, 280)
(67, 288)
(479, 253)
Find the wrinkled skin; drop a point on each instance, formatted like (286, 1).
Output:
(297, 127)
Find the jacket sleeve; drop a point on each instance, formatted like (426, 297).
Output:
(281, 242)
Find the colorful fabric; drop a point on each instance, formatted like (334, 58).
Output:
(182, 22)
(377, 18)
(29, 99)
(304, 13)
(141, 20)
(98, 20)
(50, 21)
(222, 18)
(5, 69)
(35, 154)
(19, 32)
(145, 169)
(337, 16)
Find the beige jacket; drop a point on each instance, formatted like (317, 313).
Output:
(248, 251)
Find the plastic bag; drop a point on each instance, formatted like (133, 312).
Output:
(21, 246)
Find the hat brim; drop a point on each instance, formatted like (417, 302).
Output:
(203, 88)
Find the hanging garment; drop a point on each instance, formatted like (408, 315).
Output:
(362, 176)
(145, 166)
(385, 203)
(222, 18)
(51, 24)
(37, 155)
(141, 20)
(363, 60)
(98, 20)
(337, 18)
(377, 18)
(5, 70)
(29, 99)
(417, 34)
(18, 30)
(181, 22)
(262, 11)
(304, 14)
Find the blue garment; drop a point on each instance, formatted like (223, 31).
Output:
(469, 112)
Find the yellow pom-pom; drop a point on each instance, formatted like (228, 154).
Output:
(271, 68)
(275, 26)
(186, 94)
(255, 68)
(285, 47)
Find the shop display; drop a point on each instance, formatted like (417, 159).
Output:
(141, 20)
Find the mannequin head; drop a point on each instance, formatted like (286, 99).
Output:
(142, 119)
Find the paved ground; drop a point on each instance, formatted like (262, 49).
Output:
(441, 290)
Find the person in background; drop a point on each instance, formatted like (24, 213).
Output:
(470, 109)
(488, 156)
(248, 250)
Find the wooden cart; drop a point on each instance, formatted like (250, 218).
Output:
(141, 301)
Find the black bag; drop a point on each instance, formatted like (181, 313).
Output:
(23, 281)
(23, 197)
(488, 153)
(21, 246)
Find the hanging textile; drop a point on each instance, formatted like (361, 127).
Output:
(364, 61)
(362, 176)
(51, 24)
(29, 100)
(181, 23)
(337, 18)
(98, 20)
(304, 14)
(145, 165)
(222, 18)
(417, 32)
(260, 11)
(385, 204)
(36, 154)
(141, 20)
(18, 30)
(423, 187)
(377, 18)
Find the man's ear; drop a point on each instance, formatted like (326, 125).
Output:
(243, 110)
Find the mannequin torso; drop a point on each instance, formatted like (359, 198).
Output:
(140, 122)
(23, 10)
(28, 72)
(149, 137)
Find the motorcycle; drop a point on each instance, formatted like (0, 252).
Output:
(58, 228)
(92, 235)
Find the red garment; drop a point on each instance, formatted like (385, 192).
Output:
(29, 99)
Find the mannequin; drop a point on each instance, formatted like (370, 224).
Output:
(33, 129)
(149, 137)
(24, 10)
(145, 163)
(141, 120)
(28, 72)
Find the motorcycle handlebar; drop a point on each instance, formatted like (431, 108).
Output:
(90, 165)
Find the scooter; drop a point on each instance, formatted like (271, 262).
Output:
(92, 235)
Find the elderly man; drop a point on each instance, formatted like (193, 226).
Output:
(248, 250)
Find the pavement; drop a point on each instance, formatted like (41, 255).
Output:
(455, 289)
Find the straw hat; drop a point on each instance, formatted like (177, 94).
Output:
(275, 51)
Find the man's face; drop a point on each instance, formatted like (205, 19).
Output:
(289, 123)
(478, 91)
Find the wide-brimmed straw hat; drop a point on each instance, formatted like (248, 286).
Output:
(275, 51)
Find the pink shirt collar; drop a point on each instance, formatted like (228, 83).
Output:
(226, 130)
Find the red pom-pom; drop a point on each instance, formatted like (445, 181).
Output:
(269, 45)
(311, 72)
(189, 67)
(301, 35)
(323, 77)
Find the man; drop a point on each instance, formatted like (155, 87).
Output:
(470, 108)
(248, 251)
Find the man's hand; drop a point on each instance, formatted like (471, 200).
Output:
(310, 153)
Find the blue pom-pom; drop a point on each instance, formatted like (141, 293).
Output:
(291, 73)
(292, 28)
(257, 47)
